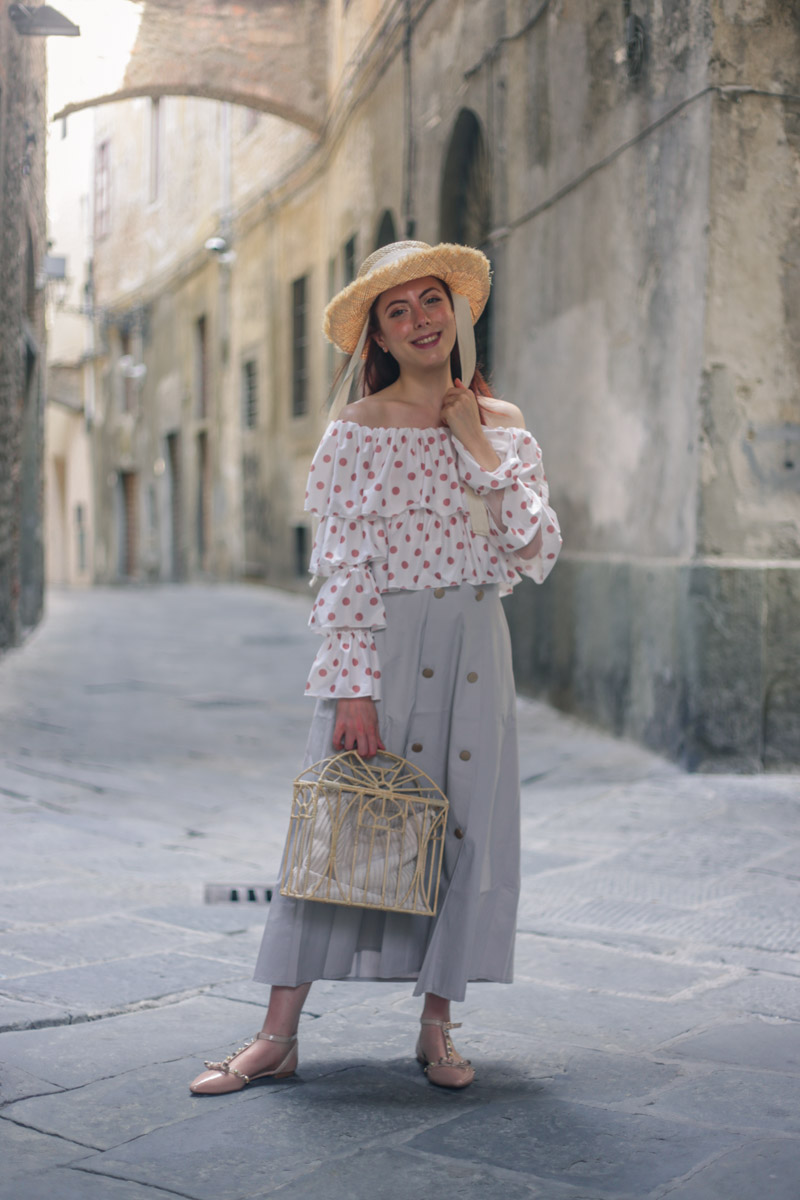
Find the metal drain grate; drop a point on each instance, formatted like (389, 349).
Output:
(238, 893)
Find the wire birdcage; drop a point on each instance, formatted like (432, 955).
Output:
(366, 834)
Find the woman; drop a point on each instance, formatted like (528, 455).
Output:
(432, 500)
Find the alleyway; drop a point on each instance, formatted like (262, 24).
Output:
(651, 1044)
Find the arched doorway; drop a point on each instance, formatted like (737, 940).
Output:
(387, 230)
(465, 206)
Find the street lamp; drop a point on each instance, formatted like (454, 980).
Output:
(41, 21)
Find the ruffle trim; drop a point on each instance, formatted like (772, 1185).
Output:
(348, 598)
(346, 667)
(358, 471)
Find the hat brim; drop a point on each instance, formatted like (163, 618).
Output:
(464, 269)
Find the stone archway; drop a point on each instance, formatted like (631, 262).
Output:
(269, 55)
(465, 204)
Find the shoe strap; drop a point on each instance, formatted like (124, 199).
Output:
(277, 1037)
(443, 1025)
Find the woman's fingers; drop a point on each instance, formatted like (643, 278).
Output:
(356, 727)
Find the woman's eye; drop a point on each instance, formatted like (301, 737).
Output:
(433, 300)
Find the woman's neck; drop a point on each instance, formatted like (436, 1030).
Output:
(424, 390)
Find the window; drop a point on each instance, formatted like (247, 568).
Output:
(386, 230)
(80, 537)
(156, 121)
(301, 549)
(300, 346)
(201, 367)
(249, 394)
(102, 190)
(125, 364)
(349, 261)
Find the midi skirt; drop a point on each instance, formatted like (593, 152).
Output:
(449, 706)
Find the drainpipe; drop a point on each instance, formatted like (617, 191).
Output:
(408, 196)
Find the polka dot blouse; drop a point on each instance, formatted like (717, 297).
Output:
(393, 515)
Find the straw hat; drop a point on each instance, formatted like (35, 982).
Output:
(464, 270)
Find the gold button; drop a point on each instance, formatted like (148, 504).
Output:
(438, 593)
(479, 594)
(472, 677)
(417, 747)
(459, 833)
(427, 672)
(465, 756)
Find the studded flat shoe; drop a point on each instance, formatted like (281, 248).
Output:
(222, 1077)
(452, 1071)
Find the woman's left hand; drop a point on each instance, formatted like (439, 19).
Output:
(460, 412)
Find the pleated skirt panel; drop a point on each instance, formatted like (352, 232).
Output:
(448, 706)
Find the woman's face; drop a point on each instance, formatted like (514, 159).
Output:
(416, 323)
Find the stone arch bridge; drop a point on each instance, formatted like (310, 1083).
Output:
(269, 55)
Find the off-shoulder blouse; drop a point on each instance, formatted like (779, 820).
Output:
(393, 515)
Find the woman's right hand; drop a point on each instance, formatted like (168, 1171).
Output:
(356, 727)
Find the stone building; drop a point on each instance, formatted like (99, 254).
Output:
(630, 168)
(22, 328)
(69, 498)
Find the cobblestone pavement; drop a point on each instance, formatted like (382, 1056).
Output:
(649, 1048)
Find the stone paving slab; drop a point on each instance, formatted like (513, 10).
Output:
(25, 1014)
(768, 1045)
(73, 1055)
(574, 1017)
(608, 969)
(627, 1155)
(402, 1175)
(98, 939)
(763, 1170)
(18, 1085)
(730, 1099)
(26, 1152)
(73, 1183)
(293, 1125)
(628, 1062)
(109, 986)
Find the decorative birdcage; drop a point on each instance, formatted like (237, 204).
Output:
(366, 834)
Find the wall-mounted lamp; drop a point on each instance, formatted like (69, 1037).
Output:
(221, 247)
(41, 21)
(129, 368)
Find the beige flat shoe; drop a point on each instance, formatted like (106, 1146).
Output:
(452, 1071)
(222, 1077)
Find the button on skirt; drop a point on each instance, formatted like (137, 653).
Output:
(449, 706)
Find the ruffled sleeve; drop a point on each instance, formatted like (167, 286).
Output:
(348, 606)
(516, 494)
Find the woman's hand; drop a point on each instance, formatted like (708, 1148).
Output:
(356, 727)
(461, 414)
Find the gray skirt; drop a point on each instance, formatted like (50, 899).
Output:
(448, 706)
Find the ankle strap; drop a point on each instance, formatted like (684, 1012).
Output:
(445, 1025)
(277, 1037)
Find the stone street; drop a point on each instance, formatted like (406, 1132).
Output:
(650, 1046)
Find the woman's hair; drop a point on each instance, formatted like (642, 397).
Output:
(381, 369)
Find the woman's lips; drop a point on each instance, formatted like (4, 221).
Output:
(428, 339)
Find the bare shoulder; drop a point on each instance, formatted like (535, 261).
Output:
(366, 411)
(505, 416)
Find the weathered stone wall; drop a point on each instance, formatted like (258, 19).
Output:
(643, 232)
(22, 332)
(675, 393)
